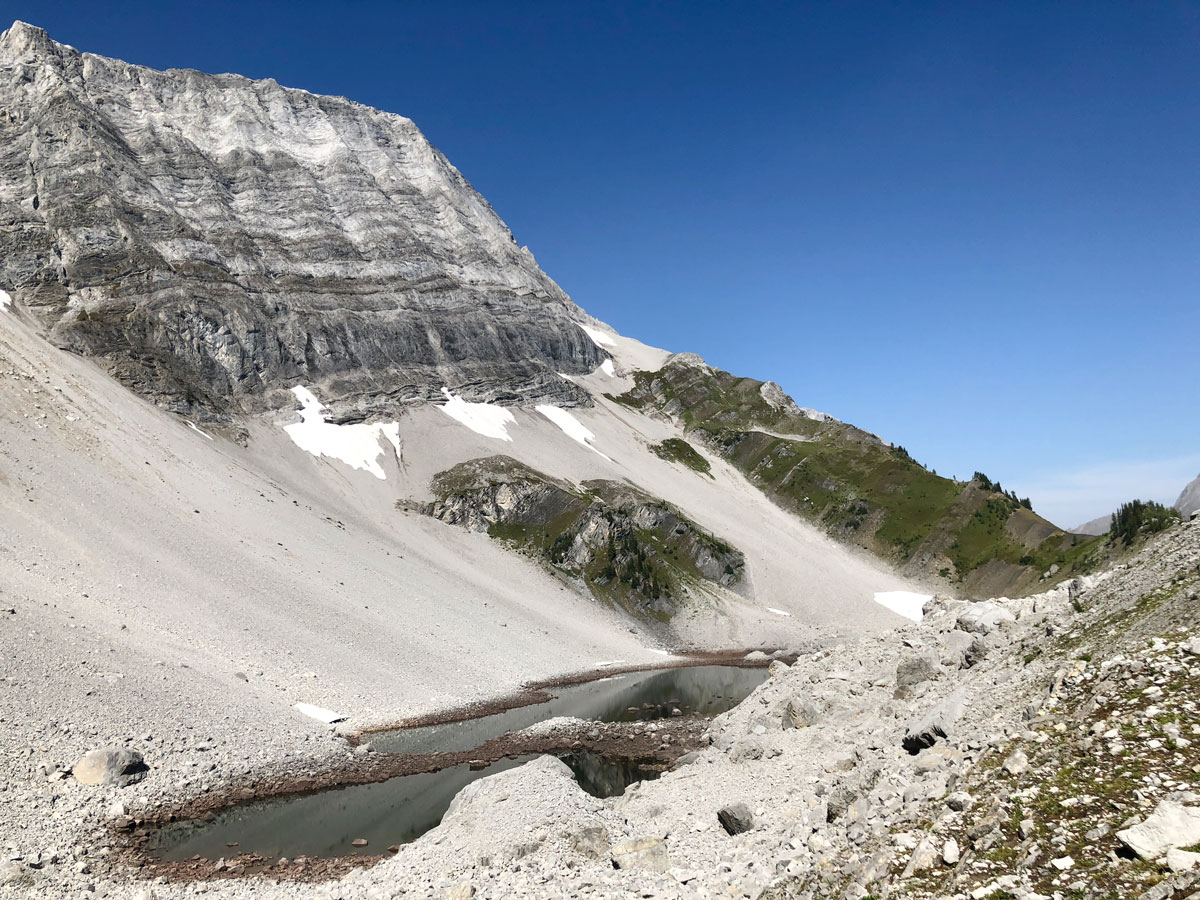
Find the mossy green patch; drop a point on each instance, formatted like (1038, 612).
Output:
(678, 450)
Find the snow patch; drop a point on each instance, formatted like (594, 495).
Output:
(356, 445)
(482, 418)
(607, 368)
(571, 426)
(599, 338)
(5, 300)
(327, 716)
(192, 425)
(904, 603)
(780, 612)
(660, 652)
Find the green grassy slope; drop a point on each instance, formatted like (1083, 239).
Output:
(860, 489)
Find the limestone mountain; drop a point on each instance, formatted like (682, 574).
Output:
(1189, 498)
(213, 239)
(313, 279)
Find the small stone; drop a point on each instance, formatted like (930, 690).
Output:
(645, 853)
(1017, 763)
(359, 842)
(960, 801)
(1025, 829)
(950, 852)
(736, 818)
(1063, 863)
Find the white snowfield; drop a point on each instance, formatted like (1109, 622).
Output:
(358, 445)
(328, 716)
(571, 426)
(6, 301)
(909, 604)
(607, 368)
(599, 338)
(482, 418)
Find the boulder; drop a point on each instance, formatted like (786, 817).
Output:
(913, 671)
(800, 714)
(950, 854)
(736, 818)
(1171, 826)
(922, 858)
(954, 648)
(1182, 860)
(110, 765)
(645, 853)
(984, 617)
(1016, 763)
(591, 842)
(935, 725)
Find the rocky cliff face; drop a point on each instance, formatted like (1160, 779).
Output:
(1189, 498)
(215, 239)
(621, 544)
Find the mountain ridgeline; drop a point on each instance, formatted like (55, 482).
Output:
(212, 240)
(860, 489)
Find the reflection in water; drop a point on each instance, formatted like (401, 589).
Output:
(604, 776)
(704, 690)
(325, 823)
(399, 810)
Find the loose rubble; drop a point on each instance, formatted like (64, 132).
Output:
(1059, 758)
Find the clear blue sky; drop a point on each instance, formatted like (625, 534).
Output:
(971, 228)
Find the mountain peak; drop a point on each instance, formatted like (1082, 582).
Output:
(23, 39)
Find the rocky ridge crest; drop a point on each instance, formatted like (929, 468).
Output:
(214, 240)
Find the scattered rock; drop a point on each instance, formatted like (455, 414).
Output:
(950, 853)
(736, 818)
(1017, 763)
(110, 765)
(645, 853)
(935, 725)
(1170, 826)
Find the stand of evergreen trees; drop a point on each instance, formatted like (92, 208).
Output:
(1140, 517)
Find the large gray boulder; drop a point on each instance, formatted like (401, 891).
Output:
(915, 670)
(984, 617)
(937, 724)
(110, 765)
(1172, 825)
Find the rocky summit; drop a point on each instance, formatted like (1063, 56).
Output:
(214, 239)
(343, 557)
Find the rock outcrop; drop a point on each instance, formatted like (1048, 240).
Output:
(214, 239)
(1189, 498)
(625, 545)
